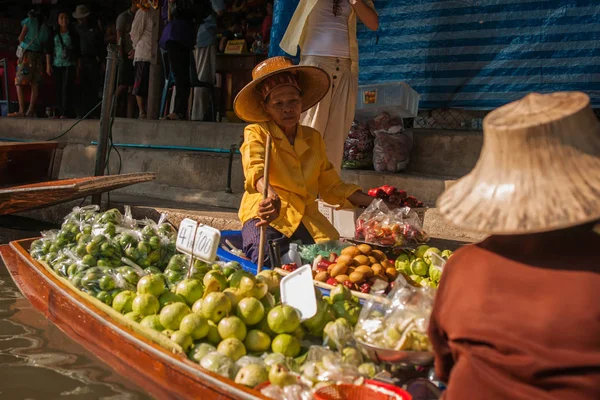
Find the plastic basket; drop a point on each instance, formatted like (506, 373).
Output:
(363, 392)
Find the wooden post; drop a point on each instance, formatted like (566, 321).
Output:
(156, 83)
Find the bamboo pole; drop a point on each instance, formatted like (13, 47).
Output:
(263, 229)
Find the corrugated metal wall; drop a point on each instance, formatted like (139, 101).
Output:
(478, 53)
(482, 54)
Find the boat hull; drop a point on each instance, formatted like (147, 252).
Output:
(162, 374)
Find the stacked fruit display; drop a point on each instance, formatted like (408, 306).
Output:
(423, 266)
(359, 268)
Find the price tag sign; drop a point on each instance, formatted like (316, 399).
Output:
(199, 241)
(298, 291)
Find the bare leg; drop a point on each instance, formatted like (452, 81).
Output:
(34, 95)
(141, 102)
(21, 98)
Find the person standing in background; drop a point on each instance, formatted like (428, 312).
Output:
(126, 69)
(141, 38)
(325, 30)
(32, 42)
(267, 24)
(206, 62)
(62, 58)
(178, 39)
(91, 42)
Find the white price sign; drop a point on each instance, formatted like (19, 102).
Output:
(298, 291)
(198, 240)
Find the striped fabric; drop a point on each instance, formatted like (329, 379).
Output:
(482, 54)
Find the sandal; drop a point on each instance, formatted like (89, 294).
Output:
(16, 115)
(174, 117)
(30, 114)
(143, 116)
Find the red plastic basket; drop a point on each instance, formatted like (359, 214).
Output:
(363, 392)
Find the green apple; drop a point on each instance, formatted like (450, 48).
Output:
(182, 339)
(283, 319)
(197, 307)
(234, 296)
(151, 284)
(191, 290)
(169, 297)
(123, 302)
(316, 323)
(232, 348)
(280, 375)
(446, 254)
(195, 326)
(214, 281)
(152, 322)
(250, 310)
(427, 256)
(286, 345)
(213, 336)
(271, 278)
(257, 341)
(232, 327)
(145, 304)
(420, 251)
(215, 306)
(251, 375)
(236, 278)
(419, 267)
(348, 310)
(172, 315)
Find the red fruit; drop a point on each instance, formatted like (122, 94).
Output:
(323, 265)
(289, 267)
(365, 288)
(389, 190)
(349, 284)
(411, 201)
(402, 194)
(373, 192)
(332, 282)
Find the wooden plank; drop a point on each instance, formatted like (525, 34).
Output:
(163, 374)
(29, 162)
(29, 197)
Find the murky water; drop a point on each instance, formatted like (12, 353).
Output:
(39, 362)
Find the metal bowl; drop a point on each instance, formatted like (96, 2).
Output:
(396, 357)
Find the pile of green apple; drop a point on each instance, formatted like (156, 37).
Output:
(219, 317)
(420, 265)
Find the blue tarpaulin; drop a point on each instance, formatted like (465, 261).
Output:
(482, 54)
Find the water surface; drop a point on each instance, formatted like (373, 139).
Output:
(40, 362)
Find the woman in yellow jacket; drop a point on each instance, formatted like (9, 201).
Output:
(299, 171)
(325, 31)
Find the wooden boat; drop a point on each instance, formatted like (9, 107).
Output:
(21, 198)
(163, 373)
(29, 162)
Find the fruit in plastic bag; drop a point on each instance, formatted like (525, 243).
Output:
(281, 376)
(218, 363)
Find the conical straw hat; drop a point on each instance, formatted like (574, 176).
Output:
(539, 169)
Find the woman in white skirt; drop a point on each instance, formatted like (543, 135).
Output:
(325, 30)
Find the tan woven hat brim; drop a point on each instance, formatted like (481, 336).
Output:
(539, 169)
(313, 81)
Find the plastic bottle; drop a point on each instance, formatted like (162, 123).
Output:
(292, 256)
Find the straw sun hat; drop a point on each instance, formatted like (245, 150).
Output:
(539, 169)
(313, 82)
(81, 11)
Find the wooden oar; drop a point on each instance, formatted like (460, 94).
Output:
(263, 229)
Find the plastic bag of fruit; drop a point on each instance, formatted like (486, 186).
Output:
(401, 322)
(381, 226)
(391, 152)
(182, 266)
(323, 365)
(358, 148)
(387, 123)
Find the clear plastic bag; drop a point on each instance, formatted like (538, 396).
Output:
(386, 123)
(391, 152)
(381, 226)
(181, 266)
(323, 365)
(401, 322)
